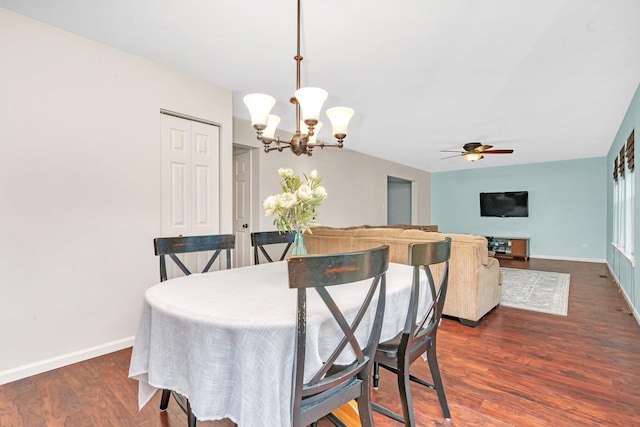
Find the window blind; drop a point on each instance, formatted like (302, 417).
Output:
(630, 152)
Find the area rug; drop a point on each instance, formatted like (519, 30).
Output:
(542, 291)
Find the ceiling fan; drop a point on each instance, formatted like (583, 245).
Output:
(475, 151)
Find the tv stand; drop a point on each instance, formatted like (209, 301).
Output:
(509, 247)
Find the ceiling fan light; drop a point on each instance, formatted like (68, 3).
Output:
(272, 124)
(340, 117)
(259, 105)
(311, 100)
(472, 157)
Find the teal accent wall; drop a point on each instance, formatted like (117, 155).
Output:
(567, 206)
(625, 270)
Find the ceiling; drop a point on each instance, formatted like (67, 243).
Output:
(551, 79)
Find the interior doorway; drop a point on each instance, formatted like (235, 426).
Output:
(399, 201)
(242, 190)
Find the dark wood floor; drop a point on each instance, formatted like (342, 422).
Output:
(517, 368)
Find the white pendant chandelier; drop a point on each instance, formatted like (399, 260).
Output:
(308, 102)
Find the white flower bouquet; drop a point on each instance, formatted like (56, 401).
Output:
(295, 207)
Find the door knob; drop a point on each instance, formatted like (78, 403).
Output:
(245, 225)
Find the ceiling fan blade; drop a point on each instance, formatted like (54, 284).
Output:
(448, 157)
(452, 151)
(498, 152)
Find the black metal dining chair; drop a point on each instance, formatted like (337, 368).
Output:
(172, 247)
(419, 334)
(260, 239)
(333, 384)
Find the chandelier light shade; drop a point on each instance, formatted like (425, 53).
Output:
(260, 105)
(340, 117)
(311, 100)
(272, 125)
(308, 103)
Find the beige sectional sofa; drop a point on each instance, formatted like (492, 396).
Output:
(474, 276)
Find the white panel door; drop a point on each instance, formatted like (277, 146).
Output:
(190, 183)
(176, 176)
(242, 208)
(205, 160)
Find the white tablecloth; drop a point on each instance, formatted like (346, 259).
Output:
(226, 339)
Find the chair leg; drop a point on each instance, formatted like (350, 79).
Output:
(377, 407)
(437, 379)
(376, 375)
(164, 400)
(190, 417)
(364, 410)
(184, 404)
(364, 401)
(404, 387)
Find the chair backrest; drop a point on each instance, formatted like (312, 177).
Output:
(260, 239)
(320, 272)
(419, 329)
(172, 246)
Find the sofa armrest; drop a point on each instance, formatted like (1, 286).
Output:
(489, 287)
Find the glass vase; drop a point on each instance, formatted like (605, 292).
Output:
(299, 247)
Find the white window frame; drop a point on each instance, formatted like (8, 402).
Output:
(629, 214)
(624, 214)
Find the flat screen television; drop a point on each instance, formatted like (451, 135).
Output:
(505, 204)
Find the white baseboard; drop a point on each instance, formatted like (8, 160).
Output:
(25, 371)
(564, 258)
(635, 313)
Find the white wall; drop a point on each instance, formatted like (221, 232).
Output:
(80, 189)
(356, 183)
